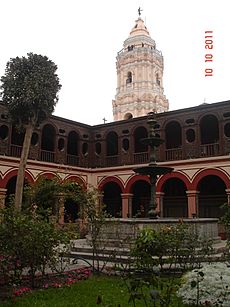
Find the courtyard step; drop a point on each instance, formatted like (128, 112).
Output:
(109, 256)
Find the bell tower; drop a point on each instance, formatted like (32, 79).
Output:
(139, 76)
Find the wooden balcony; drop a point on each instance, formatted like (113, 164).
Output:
(47, 156)
(141, 157)
(210, 150)
(15, 151)
(72, 160)
(112, 161)
(173, 154)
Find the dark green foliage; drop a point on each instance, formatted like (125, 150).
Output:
(28, 242)
(45, 195)
(169, 247)
(94, 216)
(166, 252)
(29, 88)
(225, 220)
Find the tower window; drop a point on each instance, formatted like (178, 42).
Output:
(158, 79)
(130, 48)
(129, 77)
(158, 82)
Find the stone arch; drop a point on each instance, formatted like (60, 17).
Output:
(212, 195)
(111, 143)
(76, 179)
(173, 134)
(177, 175)
(9, 183)
(13, 173)
(128, 116)
(73, 143)
(139, 133)
(132, 180)
(48, 137)
(141, 191)
(48, 175)
(209, 129)
(207, 172)
(109, 179)
(71, 207)
(112, 198)
(175, 203)
(48, 142)
(112, 188)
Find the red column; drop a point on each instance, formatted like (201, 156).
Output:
(228, 195)
(159, 200)
(192, 196)
(126, 205)
(61, 209)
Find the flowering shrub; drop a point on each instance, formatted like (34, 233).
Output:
(172, 246)
(21, 291)
(28, 242)
(207, 286)
(58, 280)
(67, 278)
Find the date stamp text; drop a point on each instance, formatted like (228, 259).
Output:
(208, 53)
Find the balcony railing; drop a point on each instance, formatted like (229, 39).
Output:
(210, 150)
(174, 154)
(47, 156)
(141, 157)
(15, 151)
(72, 160)
(112, 161)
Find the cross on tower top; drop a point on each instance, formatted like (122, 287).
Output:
(139, 11)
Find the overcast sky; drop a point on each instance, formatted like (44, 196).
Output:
(83, 38)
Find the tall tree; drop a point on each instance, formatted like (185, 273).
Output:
(29, 90)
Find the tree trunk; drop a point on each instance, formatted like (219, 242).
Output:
(22, 167)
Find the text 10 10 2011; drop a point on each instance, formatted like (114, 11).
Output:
(208, 54)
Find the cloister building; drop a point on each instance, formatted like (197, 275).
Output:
(196, 144)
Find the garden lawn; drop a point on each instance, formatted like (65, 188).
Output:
(81, 294)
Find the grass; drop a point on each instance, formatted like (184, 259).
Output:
(81, 294)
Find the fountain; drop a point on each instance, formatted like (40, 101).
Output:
(116, 231)
(152, 170)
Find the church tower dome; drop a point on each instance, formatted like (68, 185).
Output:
(139, 76)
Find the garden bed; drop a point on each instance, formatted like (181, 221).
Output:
(52, 280)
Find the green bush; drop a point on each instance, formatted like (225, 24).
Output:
(157, 254)
(171, 246)
(28, 242)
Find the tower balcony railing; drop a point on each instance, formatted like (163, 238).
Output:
(210, 150)
(173, 154)
(141, 157)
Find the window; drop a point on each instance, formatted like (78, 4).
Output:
(85, 147)
(34, 139)
(129, 78)
(158, 79)
(4, 130)
(98, 148)
(60, 144)
(227, 130)
(190, 135)
(125, 144)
